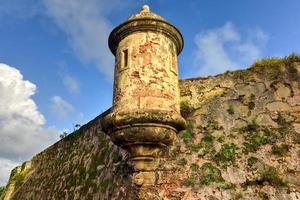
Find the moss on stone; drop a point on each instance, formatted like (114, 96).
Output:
(104, 185)
(230, 109)
(210, 174)
(82, 173)
(2, 190)
(194, 167)
(280, 149)
(221, 139)
(256, 136)
(195, 147)
(206, 145)
(275, 61)
(254, 142)
(208, 138)
(251, 161)
(182, 161)
(226, 155)
(13, 172)
(191, 181)
(251, 103)
(19, 179)
(188, 134)
(270, 175)
(227, 185)
(250, 127)
(241, 98)
(213, 125)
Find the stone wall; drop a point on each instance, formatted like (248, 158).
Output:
(84, 165)
(242, 142)
(243, 137)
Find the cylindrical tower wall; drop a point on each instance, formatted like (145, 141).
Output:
(146, 73)
(145, 116)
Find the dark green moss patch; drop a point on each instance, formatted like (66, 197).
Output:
(188, 135)
(19, 179)
(230, 109)
(206, 145)
(226, 155)
(13, 172)
(221, 139)
(194, 167)
(208, 138)
(195, 147)
(210, 174)
(271, 176)
(104, 185)
(254, 142)
(191, 181)
(213, 125)
(241, 98)
(182, 161)
(227, 185)
(250, 127)
(251, 161)
(256, 136)
(82, 173)
(2, 190)
(280, 149)
(251, 103)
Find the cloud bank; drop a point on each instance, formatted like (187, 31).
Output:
(22, 130)
(226, 48)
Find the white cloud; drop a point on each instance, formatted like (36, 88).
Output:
(61, 107)
(22, 130)
(71, 84)
(87, 27)
(226, 48)
(6, 166)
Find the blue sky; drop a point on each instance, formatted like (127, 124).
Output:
(60, 46)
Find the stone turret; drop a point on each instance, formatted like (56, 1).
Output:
(145, 116)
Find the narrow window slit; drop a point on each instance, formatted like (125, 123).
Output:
(125, 57)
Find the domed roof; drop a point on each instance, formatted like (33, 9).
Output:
(145, 21)
(145, 13)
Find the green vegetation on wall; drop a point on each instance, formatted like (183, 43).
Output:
(2, 190)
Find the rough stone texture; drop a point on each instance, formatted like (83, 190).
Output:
(84, 165)
(245, 124)
(242, 142)
(146, 82)
(146, 88)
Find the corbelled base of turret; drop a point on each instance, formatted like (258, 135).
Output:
(144, 134)
(144, 143)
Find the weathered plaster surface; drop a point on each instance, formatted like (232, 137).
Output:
(150, 78)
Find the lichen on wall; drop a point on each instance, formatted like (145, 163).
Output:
(242, 142)
(84, 165)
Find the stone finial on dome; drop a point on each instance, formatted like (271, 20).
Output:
(145, 8)
(145, 13)
(145, 20)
